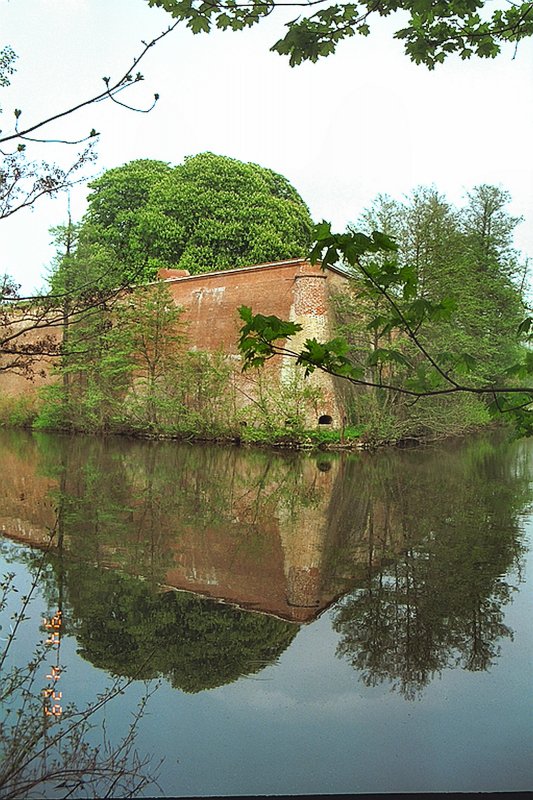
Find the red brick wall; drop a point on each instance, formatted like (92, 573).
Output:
(211, 300)
(16, 382)
(310, 295)
(292, 289)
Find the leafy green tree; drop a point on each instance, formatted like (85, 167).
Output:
(445, 307)
(149, 334)
(125, 366)
(489, 286)
(466, 256)
(95, 371)
(430, 31)
(209, 213)
(116, 200)
(489, 229)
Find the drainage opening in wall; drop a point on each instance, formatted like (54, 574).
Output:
(325, 419)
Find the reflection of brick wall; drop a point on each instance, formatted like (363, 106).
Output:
(27, 509)
(287, 553)
(303, 587)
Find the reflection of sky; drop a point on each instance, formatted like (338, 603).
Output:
(309, 725)
(28, 632)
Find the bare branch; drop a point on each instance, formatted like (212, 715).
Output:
(124, 81)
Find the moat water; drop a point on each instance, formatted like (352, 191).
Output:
(307, 623)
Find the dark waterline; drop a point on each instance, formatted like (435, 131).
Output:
(319, 624)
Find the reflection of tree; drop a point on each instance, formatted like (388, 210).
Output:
(46, 741)
(197, 644)
(440, 603)
(160, 491)
(426, 536)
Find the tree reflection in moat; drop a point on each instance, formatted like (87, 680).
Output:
(422, 545)
(195, 643)
(439, 603)
(123, 626)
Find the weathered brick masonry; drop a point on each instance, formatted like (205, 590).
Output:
(292, 289)
(31, 333)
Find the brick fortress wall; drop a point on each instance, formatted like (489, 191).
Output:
(32, 333)
(293, 290)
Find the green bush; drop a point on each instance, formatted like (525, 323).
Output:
(429, 418)
(51, 414)
(18, 412)
(352, 433)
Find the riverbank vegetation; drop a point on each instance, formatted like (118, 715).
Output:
(133, 371)
(434, 324)
(438, 299)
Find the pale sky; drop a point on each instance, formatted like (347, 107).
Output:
(358, 123)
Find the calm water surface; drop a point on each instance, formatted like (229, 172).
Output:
(310, 624)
